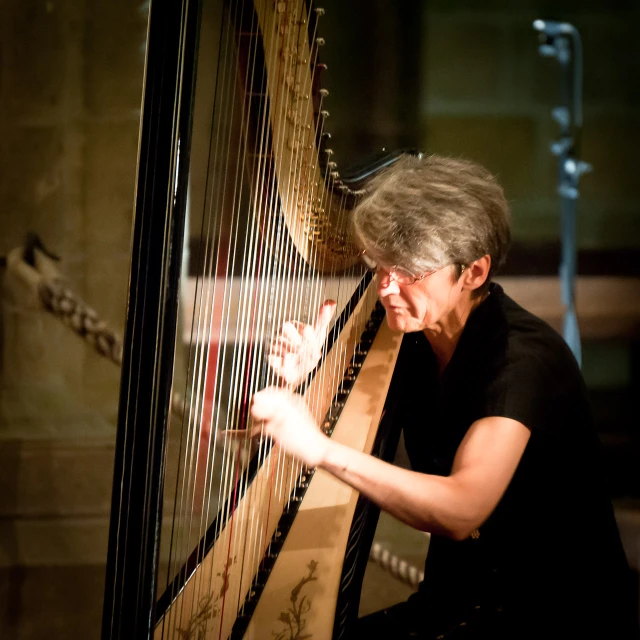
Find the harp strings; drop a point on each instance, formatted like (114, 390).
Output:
(214, 301)
(284, 280)
(249, 285)
(243, 359)
(278, 276)
(260, 270)
(304, 175)
(243, 355)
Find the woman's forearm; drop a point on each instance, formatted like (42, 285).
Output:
(426, 502)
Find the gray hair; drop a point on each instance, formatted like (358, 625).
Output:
(425, 212)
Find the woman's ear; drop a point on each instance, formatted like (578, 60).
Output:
(476, 273)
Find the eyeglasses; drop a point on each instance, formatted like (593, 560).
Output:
(395, 273)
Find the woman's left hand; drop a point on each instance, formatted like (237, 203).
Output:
(284, 416)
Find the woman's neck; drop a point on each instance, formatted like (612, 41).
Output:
(444, 337)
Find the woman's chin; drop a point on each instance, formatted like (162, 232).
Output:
(396, 322)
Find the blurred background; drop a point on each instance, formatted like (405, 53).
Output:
(452, 77)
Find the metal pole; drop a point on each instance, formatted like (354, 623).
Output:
(561, 40)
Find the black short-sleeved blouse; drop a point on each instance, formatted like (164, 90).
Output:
(550, 554)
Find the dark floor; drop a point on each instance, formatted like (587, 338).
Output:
(380, 588)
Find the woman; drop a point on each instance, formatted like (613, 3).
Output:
(506, 472)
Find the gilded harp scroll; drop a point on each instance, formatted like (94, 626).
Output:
(241, 223)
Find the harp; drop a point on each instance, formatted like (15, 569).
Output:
(241, 223)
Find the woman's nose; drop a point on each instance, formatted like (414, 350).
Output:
(386, 285)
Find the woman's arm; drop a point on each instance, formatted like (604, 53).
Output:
(451, 505)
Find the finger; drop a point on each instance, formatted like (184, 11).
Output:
(264, 403)
(257, 430)
(299, 326)
(286, 371)
(291, 361)
(256, 406)
(284, 341)
(311, 335)
(291, 332)
(276, 362)
(281, 348)
(289, 371)
(284, 359)
(327, 309)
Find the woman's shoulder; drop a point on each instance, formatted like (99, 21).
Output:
(530, 374)
(530, 339)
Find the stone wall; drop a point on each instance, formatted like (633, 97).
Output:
(69, 118)
(71, 77)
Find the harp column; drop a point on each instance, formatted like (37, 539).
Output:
(151, 320)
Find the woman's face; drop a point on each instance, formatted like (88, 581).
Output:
(430, 303)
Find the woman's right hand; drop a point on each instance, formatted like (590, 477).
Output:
(297, 349)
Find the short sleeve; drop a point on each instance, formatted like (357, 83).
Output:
(537, 383)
